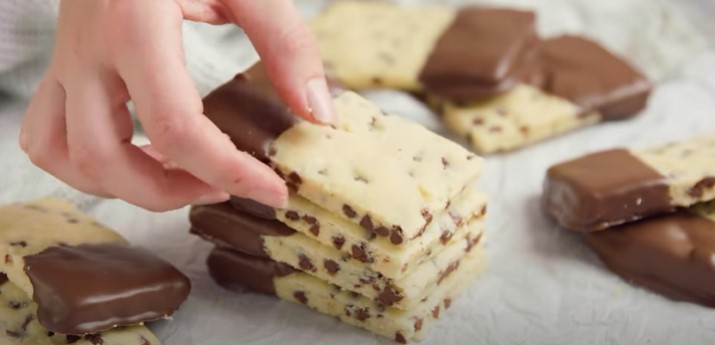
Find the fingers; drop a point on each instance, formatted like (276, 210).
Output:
(44, 137)
(289, 53)
(99, 136)
(170, 109)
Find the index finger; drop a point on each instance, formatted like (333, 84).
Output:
(170, 109)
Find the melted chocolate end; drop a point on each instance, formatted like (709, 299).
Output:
(222, 225)
(604, 189)
(94, 287)
(670, 254)
(237, 271)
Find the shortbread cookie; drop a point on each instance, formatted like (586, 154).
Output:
(617, 186)
(670, 254)
(374, 251)
(376, 44)
(395, 159)
(393, 177)
(241, 232)
(18, 325)
(238, 271)
(580, 84)
(83, 276)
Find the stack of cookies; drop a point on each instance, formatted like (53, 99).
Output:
(485, 70)
(66, 279)
(648, 213)
(383, 225)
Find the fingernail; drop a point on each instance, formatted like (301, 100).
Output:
(320, 102)
(273, 197)
(213, 197)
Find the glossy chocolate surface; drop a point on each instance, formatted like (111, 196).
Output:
(90, 288)
(672, 254)
(604, 189)
(249, 111)
(477, 55)
(587, 74)
(237, 271)
(222, 225)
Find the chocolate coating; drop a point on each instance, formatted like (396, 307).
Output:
(3, 278)
(253, 208)
(249, 111)
(585, 73)
(91, 288)
(237, 271)
(228, 228)
(604, 189)
(478, 54)
(673, 255)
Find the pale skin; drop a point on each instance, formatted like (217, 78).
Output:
(77, 126)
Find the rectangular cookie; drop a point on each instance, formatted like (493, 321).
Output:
(573, 83)
(238, 271)
(18, 325)
(253, 236)
(622, 185)
(670, 254)
(392, 177)
(83, 276)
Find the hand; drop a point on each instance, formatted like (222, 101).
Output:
(78, 128)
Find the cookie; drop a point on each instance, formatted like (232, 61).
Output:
(618, 186)
(82, 275)
(238, 271)
(669, 254)
(19, 325)
(244, 233)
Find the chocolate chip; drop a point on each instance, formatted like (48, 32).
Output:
(331, 266)
(697, 190)
(426, 215)
(445, 163)
(95, 339)
(483, 210)
(435, 312)
(323, 172)
(377, 80)
(524, 130)
(446, 236)
(382, 231)
(396, 235)
(300, 297)
(295, 178)
(310, 219)
(361, 179)
(349, 212)
(389, 296)
(272, 151)
(19, 244)
(338, 241)
(418, 324)
(17, 305)
(478, 121)
(495, 129)
(362, 314)
(292, 215)
(354, 294)
(304, 263)
(417, 158)
(373, 123)
(472, 242)
(447, 271)
(50, 333)
(447, 303)
(360, 254)
(292, 187)
(71, 339)
(456, 219)
(315, 229)
(13, 334)
(366, 223)
(400, 338)
(8, 259)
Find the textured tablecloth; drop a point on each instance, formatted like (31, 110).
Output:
(543, 286)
